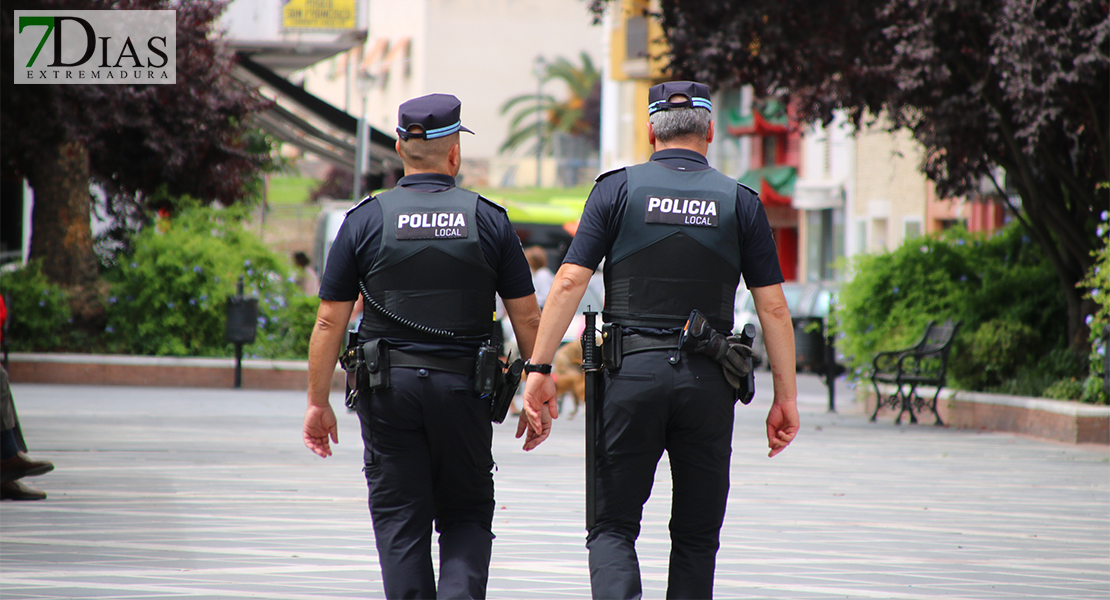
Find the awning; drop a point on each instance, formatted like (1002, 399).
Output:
(818, 195)
(774, 184)
(286, 57)
(371, 62)
(311, 123)
(768, 117)
(398, 55)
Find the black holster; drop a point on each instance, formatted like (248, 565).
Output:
(487, 370)
(496, 380)
(376, 356)
(502, 397)
(732, 352)
(367, 365)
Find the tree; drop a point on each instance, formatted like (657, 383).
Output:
(132, 140)
(578, 116)
(980, 84)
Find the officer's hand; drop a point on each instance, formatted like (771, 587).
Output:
(782, 426)
(539, 398)
(534, 438)
(319, 424)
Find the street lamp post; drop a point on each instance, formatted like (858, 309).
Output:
(539, 69)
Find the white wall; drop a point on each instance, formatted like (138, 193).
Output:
(483, 51)
(479, 50)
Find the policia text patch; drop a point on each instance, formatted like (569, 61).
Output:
(431, 225)
(682, 211)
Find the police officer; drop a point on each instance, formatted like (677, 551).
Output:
(428, 257)
(677, 235)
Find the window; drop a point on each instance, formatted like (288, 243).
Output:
(827, 148)
(636, 37)
(878, 234)
(824, 243)
(911, 228)
(770, 150)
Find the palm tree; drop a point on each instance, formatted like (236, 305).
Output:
(577, 116)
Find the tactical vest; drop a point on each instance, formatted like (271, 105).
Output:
(678, 249)
(430, 267)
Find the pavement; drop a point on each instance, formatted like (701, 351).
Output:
(206, 493)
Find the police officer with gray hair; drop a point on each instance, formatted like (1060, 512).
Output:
(677, 236)
(428, 258)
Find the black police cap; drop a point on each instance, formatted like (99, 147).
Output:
(697, 96)
(436, 114)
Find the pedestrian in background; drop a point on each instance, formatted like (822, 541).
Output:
(307, 278)
(430, 256)
(676, 236)
(541, 275)
(14, 462)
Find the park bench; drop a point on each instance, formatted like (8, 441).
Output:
(924, 363)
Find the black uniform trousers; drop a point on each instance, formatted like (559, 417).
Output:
(428, 460)
(650, 406)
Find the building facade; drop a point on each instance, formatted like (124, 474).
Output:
(483, 51)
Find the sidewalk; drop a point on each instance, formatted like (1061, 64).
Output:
(204, 493)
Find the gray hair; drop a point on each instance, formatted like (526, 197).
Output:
(680, 122)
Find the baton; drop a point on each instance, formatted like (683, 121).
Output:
(591, 365)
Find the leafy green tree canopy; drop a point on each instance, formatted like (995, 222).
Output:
(579, 115)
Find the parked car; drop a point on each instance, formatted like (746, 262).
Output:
(816, 299)
(805, 301)
(744, 313)
(817, 302)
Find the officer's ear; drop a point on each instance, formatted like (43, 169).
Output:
(709, 134)
(651, 134)
(454, 159)
(397, 147)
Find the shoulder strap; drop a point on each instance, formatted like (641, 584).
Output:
(608, 173)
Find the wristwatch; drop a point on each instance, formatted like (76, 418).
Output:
(529, 367)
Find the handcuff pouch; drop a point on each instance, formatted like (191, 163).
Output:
(612, 346)
(375, 354)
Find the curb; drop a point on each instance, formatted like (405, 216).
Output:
(161, 371)
(1059, 420)
(1070, 422)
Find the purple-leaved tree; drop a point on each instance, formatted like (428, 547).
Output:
(1020, 85)
(133, 140)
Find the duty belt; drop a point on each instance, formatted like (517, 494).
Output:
(461, 365)
(634, 343)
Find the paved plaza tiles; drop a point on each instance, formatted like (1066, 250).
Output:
(196, 493)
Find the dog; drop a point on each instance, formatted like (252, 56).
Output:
(567, 372)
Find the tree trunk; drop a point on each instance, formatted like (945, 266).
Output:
(61, 231)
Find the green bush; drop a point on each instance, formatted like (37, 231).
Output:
(1065, 389)
(1093, 390)
(169, 296)
(1037, 374)
(286, 328)
(38, 310)
(1000, 284)
(993, 353)
(1097, 284)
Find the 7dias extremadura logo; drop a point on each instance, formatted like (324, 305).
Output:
(95, 46)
